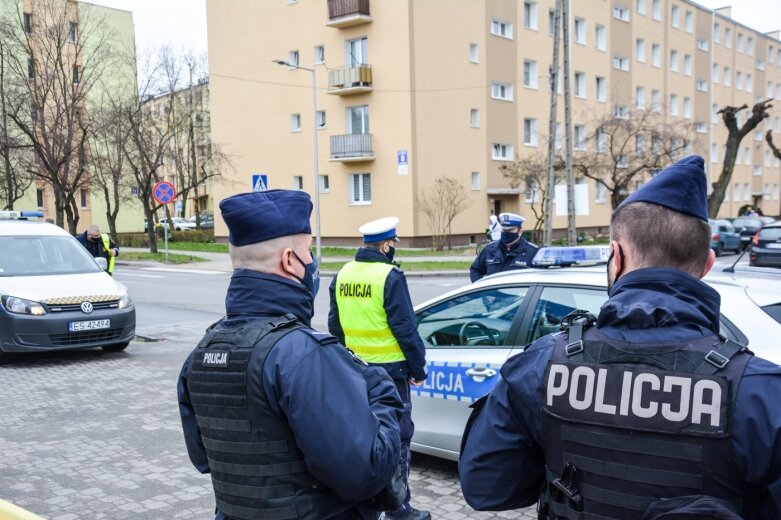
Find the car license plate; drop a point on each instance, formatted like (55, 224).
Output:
(774, 246)
(76, 326)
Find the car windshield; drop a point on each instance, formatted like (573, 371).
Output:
(774, 311)
(747, 222)
(772, 233)
(44, 255)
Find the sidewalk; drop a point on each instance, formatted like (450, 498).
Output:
(221, 262)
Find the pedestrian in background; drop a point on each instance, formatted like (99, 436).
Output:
(510, 252)
(371, 311)
(646, 413)
(100, 245)
(494, 229)
(288, 422)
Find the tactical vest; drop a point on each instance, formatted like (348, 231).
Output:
(360, 297)
(104, 238)
(625, 424)
(257, 471)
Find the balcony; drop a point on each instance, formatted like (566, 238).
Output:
(352, 148)
(350, 80)
(345, 13)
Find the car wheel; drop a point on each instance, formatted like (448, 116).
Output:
(119, 347)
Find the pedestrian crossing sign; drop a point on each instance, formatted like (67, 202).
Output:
(259, 182)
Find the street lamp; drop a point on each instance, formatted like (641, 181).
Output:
(314, 140)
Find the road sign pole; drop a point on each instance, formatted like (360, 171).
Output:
(165, 231)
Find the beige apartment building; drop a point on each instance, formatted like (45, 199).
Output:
(408, 91)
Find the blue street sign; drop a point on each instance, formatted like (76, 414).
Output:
(401, 157)
(259, 182)
(164, 192)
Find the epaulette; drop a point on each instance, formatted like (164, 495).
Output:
(323, 338)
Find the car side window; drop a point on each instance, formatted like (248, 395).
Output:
(557, 302)
(476, 319)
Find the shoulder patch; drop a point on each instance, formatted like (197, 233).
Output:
(323, 338)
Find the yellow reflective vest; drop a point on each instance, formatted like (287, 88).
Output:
(360, 292)
(107, 246)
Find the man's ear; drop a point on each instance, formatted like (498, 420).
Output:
(709, 263)
(287, 261)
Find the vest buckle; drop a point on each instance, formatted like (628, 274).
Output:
(564, 488)
(573, 348)
(716, 359)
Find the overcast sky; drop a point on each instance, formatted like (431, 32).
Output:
(182, 23)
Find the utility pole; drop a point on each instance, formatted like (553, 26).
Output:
(193, 155)
(572, 238)
(553, 73)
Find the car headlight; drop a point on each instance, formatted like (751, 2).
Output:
(21, 306)
(125, 301)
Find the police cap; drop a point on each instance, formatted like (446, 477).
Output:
(262, 215)
(380, 229)
(511, 220)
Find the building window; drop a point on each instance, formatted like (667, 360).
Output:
(580, 31)
(760, 64)
(28, 23)
(551, 21)
(474, 53)
(687, 64)
(298, 182)
(656, 55)
(601, 89)
(727, 77)
(475, 181)
(30, 68)
(769, 89)
(728, 37)
(39, 195)
(600, 36)
(746, 192)
(503, 29)
(620, 112)
(621, 63)
(358, 119)
(714, 113)
(530, 15)
(674, 61)
(621, 13)
(675, 16)
(292, 59)
(502, 152)
(770, 54)
(739, 80)
(73, 32)
(714, 75)
(656, 101)
(714, 153)
(656, 10)
(739, 45)
(640, 50)
(601, 193)
(76, 75)
(687, 107)
(716, 32)
(601, 139)
(702, 44)
(319, 53)
(746, 156)
(503, 91)
(530, 137)
(360, 188)
(295, 122)
(750, 45)
(325, 185)
(321, 120)
(83, 198)
(529, 73)
(579, 137)
(639, 144)
(641, 7)
(640, 98)
(474, 118)
(580, 85)
(673, 104)
(749, 83)
(688, 22)
(357, 51)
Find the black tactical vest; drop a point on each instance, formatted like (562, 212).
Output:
(625, 424)
(257, 471)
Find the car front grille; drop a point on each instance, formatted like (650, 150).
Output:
(74, 307)
(85, 337)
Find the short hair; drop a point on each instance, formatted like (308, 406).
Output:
(93, 229)
(262, 256)
(661, 237)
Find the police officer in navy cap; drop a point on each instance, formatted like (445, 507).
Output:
(644, 412)
(510, 252)
(287, 421)
(372, 311)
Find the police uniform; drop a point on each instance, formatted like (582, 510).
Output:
(372, 311)
(101, 248)
(647, 412)
(497, 256)
(287, 422)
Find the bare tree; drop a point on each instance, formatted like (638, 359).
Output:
(630, 146)
(735, 135)
(773, 147)
(441, 203)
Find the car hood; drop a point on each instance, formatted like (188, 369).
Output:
(46, 287)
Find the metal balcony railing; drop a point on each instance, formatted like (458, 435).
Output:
(351, 146)
(358, 79)
(343, 13)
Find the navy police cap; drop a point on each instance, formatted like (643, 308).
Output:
(263, 215)
(682, 187)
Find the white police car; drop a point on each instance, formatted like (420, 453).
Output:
(54, 295)
(471, 331)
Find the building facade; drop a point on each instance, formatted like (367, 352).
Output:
(407, 92)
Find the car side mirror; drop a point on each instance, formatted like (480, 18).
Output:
(102, 263)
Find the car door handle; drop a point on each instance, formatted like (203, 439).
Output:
(480, 374)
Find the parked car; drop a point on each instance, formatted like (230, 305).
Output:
(207, 221)
(766, 247)
(471, 331)
(723, 237)
(747, 227)
(54, 295)
(179, 224)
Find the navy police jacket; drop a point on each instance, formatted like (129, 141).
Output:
(502, 464)
(346, 427)
(401, 319)
(496, 258)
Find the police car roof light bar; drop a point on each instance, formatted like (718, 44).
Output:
(19, 215)
(571, 256)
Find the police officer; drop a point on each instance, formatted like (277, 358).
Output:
(372, 311)
(100, 244)
(511, 251)
(648, 411)
(286, 420)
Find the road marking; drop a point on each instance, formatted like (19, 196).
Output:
(125, 273)
(174, 270)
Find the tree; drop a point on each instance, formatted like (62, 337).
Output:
(735, 135)
(531, 173)
(630, 147)
(441, 203)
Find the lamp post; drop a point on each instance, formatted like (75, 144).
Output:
(314, 145)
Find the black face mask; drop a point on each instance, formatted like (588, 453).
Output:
(609, 262)
(311, 279)
(391, 253)
(508, 237)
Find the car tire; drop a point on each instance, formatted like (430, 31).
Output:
(119, 347)
(717, 250)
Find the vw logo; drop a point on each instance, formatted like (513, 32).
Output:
(86, 307)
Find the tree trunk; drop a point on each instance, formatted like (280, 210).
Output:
(722, 184)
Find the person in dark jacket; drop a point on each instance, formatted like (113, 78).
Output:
(100, 245)
(372, 312)
(647, 411)
(510, 252)
(285, 419)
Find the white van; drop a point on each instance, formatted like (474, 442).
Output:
(54, 295)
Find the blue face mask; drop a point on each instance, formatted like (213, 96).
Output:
(311, 279)
(508, 237)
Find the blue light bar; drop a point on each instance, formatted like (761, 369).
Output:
(32, 214)
(571, 256)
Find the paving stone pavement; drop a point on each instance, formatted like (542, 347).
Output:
(91, 435)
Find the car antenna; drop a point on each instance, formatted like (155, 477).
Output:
(731, 269)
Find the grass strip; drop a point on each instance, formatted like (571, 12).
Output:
(413, 266)
(173, 258)
(327, 251)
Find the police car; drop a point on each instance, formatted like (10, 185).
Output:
(54, 295)
(471, 331)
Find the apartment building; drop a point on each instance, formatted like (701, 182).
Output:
(407, 92)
